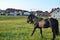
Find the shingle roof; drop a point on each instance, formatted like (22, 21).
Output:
(53, 9)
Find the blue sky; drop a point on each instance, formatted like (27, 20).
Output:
(44, 5)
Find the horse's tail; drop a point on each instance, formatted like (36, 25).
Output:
(56, 28)
(55, 25)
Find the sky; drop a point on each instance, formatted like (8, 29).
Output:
(31, 5)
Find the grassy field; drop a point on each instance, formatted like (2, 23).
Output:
(16, 28)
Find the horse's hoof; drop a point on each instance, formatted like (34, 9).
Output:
(53, 39)
(31, 35)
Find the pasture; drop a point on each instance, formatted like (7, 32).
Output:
(16, 28)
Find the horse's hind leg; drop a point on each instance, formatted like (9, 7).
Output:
(41, 32)
(54, 34)
(33, 31)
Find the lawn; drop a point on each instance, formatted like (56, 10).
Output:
(16, 28)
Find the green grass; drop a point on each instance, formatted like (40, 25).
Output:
(16, 28)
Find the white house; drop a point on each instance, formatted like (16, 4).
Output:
(2, 12)
(14, 12)
(26, 13)
(55, 13)
(20, 12)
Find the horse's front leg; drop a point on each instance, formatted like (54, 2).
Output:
(33, 31)
(41, 32)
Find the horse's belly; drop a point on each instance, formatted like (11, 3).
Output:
(46, 26)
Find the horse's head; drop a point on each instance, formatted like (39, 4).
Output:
(31, 18)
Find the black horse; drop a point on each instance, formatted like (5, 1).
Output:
(44, 23)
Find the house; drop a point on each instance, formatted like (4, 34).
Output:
(34, 13)
(13, 12)
(26, 13)
(55, 13)
(40, 13)
(16, 12)
(2, 12)
(19, 12)
(46, 13)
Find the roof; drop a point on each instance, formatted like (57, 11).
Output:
(53, 9)
(13, 10)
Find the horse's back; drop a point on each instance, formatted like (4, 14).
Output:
(54, 21)
(50, 22)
